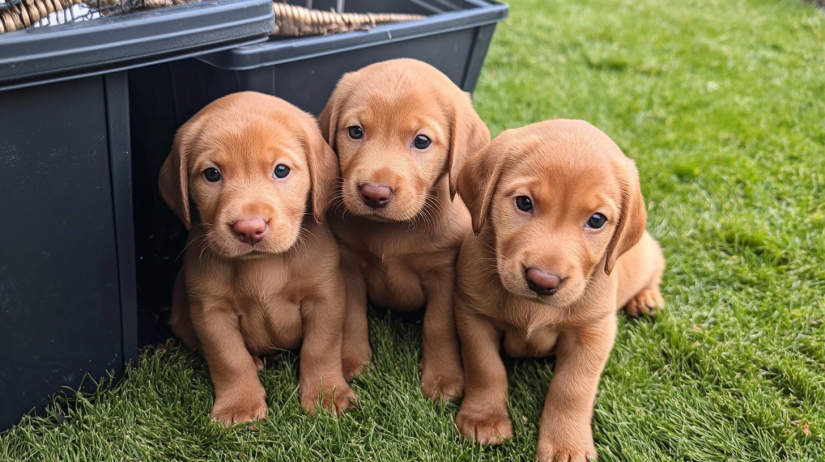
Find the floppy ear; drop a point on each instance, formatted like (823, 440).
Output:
(328, 120)
(476, 182)
(632, 218)
(323, 171)
(173, 181)
(468, 135)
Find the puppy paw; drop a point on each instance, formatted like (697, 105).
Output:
(442, 385)
(484, 428)
(334, 397)
(549, 452)
(354, 359)
(562, 439)
(240, 407)
(259, 363)
(646, 302)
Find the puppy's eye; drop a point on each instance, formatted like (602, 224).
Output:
(212, 175)
(281, 171)
(524, 203)
(596, 221)
(355, 132)
(421, 142)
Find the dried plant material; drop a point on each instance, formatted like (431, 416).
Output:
(23, 15)
(41, 8)
(297, 21)
(8, 24)
(34, 15)
(289, 20)
(803, 425)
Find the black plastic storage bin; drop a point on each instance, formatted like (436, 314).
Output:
(454, 38)
(67, 265)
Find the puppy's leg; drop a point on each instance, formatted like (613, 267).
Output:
(180, 319)
(641, 277)
(483, 416)
(564, 429)
(322, 381)
(356, 351)
(442, 376)
(239, 395)
(647, 302)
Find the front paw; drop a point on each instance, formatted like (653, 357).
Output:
(550, 453)
(568, 444)
(484, 428)
(332, 396)
(355, 357)
(240, 406)
(443, 383)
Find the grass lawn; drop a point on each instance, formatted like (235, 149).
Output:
(722, 104)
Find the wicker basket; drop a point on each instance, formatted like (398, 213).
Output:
(289, 20)
(296, 21)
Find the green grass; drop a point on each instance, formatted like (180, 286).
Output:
(722, 104)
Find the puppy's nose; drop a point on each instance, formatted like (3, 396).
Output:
(542, 282)
(376, 195)
(250, 230)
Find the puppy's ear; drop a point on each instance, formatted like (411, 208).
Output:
(328, 120)
(468, 135)
(477, 180)
(323, 170)
(632, 218)
(173, 181)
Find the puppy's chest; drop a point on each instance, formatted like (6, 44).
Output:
(536, 343)
(395, 264)
(393, 283)
(268, 310)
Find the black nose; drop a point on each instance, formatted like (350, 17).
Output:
(376, 195)
(542, 282)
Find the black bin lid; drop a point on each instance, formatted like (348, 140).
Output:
(442, 17)
(113, 43)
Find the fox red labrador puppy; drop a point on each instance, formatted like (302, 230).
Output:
(260, 272)
(402, 130)
(560, 246)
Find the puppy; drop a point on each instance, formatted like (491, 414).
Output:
(259, 273)
(402, 131)
(560, 246)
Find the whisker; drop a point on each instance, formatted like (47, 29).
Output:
(189, 242)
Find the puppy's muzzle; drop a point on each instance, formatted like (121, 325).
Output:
(376, 195)
(542, 282)
(250, 230)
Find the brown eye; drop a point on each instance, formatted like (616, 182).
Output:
(355, 132)
(596, 221)
(421, 142)
(524, 203)
(212, 175)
